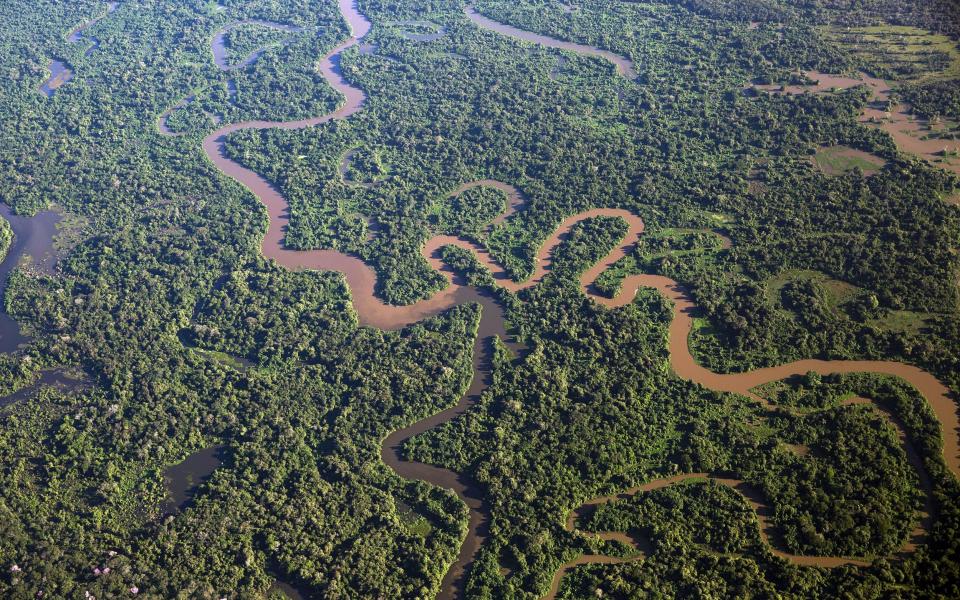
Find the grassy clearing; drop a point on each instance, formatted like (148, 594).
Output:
(225, 359)
(415, 523)
(721, 218)
(837, 160)
(71, 230)
(910, 53)
(838, 291)
(904, 321)
(678, 241)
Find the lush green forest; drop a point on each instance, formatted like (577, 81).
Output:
(6, 237)
(243, 41)
(193, 340)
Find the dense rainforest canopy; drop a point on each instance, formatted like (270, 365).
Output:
(190, 340)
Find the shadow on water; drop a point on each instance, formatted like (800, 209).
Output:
(63, 379)
(32, 237)
(183, 480)
(288, 587)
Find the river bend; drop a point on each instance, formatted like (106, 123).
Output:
(374, 312)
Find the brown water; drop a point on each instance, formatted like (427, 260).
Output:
(910, 133)
(345, 164)
(32, 238)
(764, 513)
(624, 65)
(914, 136)
(823, 82)
(491, 325)
(219, 48)
(373, 312)
(586, 559)
(685, 366)
(60, 73)
(919, 534)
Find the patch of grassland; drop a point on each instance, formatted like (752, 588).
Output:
(904, 321)
(838, 292)
(901, 52)
(837, 160)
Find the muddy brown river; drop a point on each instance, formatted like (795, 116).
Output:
(764, 513)
(624, 65)
(373, 312)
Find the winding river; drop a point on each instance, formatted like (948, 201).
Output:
(60, 72)
(624, 65)
(77, 35)
(374, 312)
(757, 502)
(221, 54)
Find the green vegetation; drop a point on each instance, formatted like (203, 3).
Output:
(6, 237)
(364, 166)
(188, 117)
(244, 40)
(658, 250)
(710, 529)
(838, 160)
(469, 212)
(901, 52)
(163, 290)
(938, 99)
